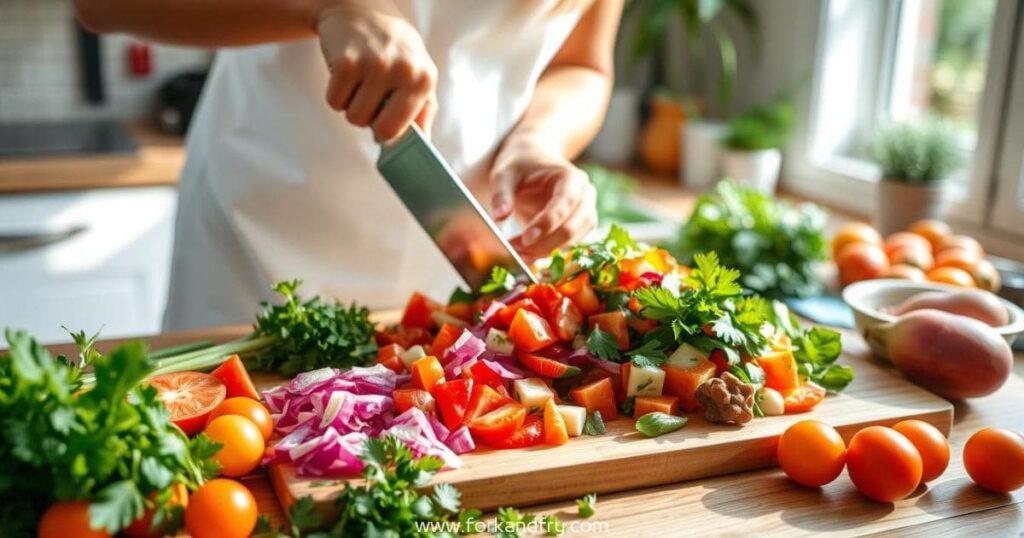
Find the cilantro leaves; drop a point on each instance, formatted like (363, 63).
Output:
(603, 344)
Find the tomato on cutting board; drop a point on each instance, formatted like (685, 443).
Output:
(406, 399)
(507, 314)
(547, 367)
(190, 397)
(419, 311)
(483, 400)
(566, 319)
(427, 372)
(555, 432)
(615, 323)
(446, 336)
(500, 425)
(236, 379)
(529, 434)
(248, 408)
(221, 508)
(582, 293)
(481, 374)
(452, 400)
(805, 398)
(530, 332)
(545, 296)
(597, 396)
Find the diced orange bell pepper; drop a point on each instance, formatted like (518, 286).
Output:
(615, 323)
(530, 332)
(661, 260)
(597, 396)
(463, 311)
(650, 404)
(446, 336)
(546, 297)
(427, 372)
(780, 372)
(555, 431)
(582, 293)
(682, 383)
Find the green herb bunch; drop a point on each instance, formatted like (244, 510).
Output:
(113, 445)
(916, 152)
(775, 244)
(614, 190)
(765, 126)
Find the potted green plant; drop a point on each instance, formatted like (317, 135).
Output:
(917, 158)
(754, 142)
(701, 22)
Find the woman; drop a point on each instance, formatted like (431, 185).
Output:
(279, 186)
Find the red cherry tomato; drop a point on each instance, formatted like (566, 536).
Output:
(190, 397)
(529, 434)
(500, 425)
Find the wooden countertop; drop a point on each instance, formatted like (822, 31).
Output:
(765, 501)
(157, 162)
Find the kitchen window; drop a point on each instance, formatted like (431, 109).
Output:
(879, 61)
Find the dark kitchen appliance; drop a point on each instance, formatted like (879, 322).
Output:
(176, 101)
(65, 138)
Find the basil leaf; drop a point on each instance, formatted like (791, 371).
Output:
(656, 423)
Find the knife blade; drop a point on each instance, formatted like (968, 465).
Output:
(446, 210)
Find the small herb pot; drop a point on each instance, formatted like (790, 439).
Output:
(700, 147)
(757, 168)
(900, 204)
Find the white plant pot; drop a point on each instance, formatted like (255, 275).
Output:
(758, 168)
(615, 143)
(701, 152)
(899, 204)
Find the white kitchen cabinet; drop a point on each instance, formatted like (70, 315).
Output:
(96, 259)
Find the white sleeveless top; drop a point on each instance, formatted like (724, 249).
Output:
(278, 186)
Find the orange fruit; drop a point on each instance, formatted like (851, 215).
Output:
(902, 240)
(994, 458)
(243, 444)
(189, 397)
(221, 508)
(958, 257)
(913, 256)
(905, 272)
(932, 230)
(951, 275)
(931, 445)
(69, 519)
(962, 241)
(986, 276)
(861, 261)
(854, 232)
(248, 408)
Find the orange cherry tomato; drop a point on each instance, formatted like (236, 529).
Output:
(248, 408)
(994, 458)
(854, 232)
(905, 272)
(143, 526)
(811, 453)
(903, 240)
(189, 397)
(883, 464)
(221, 508)
(952, 276)
(861, 261)
(912, 256)
(931, 445)
(805, 398)
(961, 241)
(243, 444)
(932, 230)
(68, 519)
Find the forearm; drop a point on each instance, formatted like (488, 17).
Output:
(566, 110)
(203, 23)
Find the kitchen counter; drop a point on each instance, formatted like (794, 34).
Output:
(157, 162)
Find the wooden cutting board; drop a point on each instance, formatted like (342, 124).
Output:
(623, 459)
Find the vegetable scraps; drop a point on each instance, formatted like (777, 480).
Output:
(112, 446)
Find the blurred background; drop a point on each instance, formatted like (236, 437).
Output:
(883, 111)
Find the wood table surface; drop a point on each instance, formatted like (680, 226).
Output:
(766, 502)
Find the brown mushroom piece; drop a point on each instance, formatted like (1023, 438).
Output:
(727, 400)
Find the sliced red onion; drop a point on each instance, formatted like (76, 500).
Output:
(460, 441)
(514, 294)
(653, 277)
(490, 311)
(465, 350)
(502, 371)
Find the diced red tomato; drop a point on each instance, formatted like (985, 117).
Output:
(545, 296)
(483, 400)
(615, 323)
(500, 425)
(555, 432)
(547, 367)
(446, 336)
(624, 376)
(500, 389)
(507, 314)
(530, 332)
(529, 434)
(682, 383)
(481, 374)
(418, 311)
(403, 336)
(805, 398)
(582, 293)
(427, 372)
(720, 360)
(406, 399)
(634, 305)
(463, 311)
(651, 404)
(566, 319)
(236, 378)
(780, 372)
(452, 400)
(632, 270)
(390, 350)
(642, 325)
(597, 374)
(597, 396)
(393, 363)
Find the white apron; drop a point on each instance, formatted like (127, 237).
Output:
(278, 186)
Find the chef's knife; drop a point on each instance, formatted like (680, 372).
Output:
(446, 209)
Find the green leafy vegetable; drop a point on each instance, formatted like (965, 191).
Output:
(501, 281)
(816, 351)
(585, 506)
(603, 344)
(552, 525)
(594, 425)
(657, 423)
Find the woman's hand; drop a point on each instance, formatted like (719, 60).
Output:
(381, 73)
(554, 199)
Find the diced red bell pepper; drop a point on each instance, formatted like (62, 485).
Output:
(418, 311)
(555, 432)
(545, 296)
(651, 404)
(615, 323)
(452, 400)
(236, 378)
(505, 316)
(529, 434)
(547, 367)
(582, 293)
(427, 372)
(403, 336)
(406, 399)
(388, 356)
(597, 396)
(483, 400)
(481, 374)
(567, 319)
(805, 398)
(530, 332)
(446, 336)
(634, 305)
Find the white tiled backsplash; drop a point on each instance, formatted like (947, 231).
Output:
(40, 71)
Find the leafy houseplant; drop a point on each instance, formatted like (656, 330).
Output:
(775, 244)
(754, 144)
(916, 159)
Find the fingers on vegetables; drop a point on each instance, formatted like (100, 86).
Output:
(950, 355)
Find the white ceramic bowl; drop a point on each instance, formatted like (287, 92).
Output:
(870, 298)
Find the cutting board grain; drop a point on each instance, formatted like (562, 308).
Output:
(623, 459)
